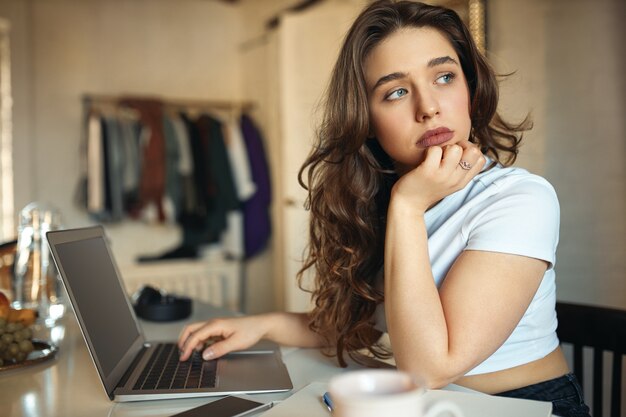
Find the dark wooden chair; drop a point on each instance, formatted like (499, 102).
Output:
(602, 329)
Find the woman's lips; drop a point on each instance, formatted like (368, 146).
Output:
(435, 137)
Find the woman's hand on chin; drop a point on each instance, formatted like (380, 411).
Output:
(444, 171)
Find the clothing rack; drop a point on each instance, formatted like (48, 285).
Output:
(115, 104)
(93, 100)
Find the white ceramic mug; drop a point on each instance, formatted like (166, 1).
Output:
(383, 392)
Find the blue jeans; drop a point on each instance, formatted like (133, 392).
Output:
(564, 393)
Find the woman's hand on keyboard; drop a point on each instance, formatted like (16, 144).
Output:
(217, 337)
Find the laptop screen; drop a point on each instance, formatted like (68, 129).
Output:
(99, 298)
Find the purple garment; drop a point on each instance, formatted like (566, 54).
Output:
(256, 217)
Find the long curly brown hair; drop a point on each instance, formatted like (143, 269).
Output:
(349, 177)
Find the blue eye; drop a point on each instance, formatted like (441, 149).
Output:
(446, 78)
(396, 94)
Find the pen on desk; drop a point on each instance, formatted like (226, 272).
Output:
(327, 401)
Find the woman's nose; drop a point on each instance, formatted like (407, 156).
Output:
(427, 107)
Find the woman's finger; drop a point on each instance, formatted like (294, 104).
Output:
(452, 155)
(432, 160)
(465, 144)
(195, 340)
(472, 159)
(187, 330)
(221, 348)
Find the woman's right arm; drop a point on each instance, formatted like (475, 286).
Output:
(237, 333)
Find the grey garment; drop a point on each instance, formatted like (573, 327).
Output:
(115, 161)
(188, 199)
(173, 181)
(131, 170)
(185, 162)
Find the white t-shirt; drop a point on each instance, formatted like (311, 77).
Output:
(505, 210)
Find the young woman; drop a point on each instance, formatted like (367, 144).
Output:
(419, 227)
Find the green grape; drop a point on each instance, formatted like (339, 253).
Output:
(13, 350)
(26, 346)
(7, 338)
(10, 327)
(27, 332)
(15, 342)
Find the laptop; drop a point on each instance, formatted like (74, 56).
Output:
(131, 368)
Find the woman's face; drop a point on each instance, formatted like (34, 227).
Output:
(417, 93)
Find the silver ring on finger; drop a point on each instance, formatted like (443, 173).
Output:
(465, 165)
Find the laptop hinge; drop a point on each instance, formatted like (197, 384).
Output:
(132, 367)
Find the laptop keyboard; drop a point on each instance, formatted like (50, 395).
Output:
(165, 371)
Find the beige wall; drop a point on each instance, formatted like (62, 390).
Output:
(586, 159)
(569, 58)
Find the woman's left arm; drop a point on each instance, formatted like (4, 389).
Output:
(444, 334)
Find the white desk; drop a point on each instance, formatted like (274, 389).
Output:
(69, 385)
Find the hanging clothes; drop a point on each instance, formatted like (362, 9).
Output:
(173, 182)
(223, 192)
(208, 174)
(232, 238)
(152, 186)
(95, 165)
(256, 215)
(195, 207)
(115, 168)
(239, 160)
(130, 132)
(184, 166)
